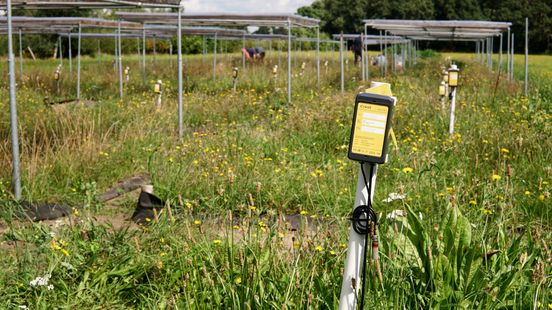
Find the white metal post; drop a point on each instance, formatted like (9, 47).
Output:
(500, 55)
(78, 63)
(215, 58)
(179, 61)
(362, 63)
(452, 110)
(341, 63)
(318, 56)
(289, 60)
(355, 249)
(13, 108)
(508, 55)
(120, 59)
(513, 59)
(526, 55)
(144, 74)
(243, 52)
(21, 56)
(70, 47)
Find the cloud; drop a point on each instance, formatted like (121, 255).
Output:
(244, 6)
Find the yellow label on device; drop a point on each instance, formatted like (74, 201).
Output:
(453, 78)
(369, 135)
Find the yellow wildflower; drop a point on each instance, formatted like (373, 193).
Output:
(496, 177)
(407, 170)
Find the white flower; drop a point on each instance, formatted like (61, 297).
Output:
(394, 196)
(395, 214)
(23, 307)
(41, 281)
(50, 287)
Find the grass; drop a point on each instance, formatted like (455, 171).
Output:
(476, 235)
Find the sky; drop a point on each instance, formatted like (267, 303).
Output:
(244, 6)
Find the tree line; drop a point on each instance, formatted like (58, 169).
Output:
(347, 15)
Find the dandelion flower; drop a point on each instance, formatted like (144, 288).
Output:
(407, 170)
(496, 177)
(303, 212)
(217, 241)
(527, 193)
(238, 280)
(296, 244)
(332, 252)
(541, 197)
(319, 248)
(473, 202)
(504, 150)
(197, 222)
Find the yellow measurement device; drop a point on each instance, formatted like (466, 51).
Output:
(370, 129)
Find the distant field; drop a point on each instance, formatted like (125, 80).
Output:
(537, 63)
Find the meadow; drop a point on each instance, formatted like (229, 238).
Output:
(475, 234)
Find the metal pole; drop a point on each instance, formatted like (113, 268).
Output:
(361, 55)
(21, 56)
(381, 52)
(78, 63)
(243, 52)
(526, 54)
(508, 56)
(215, 58)
(500, 55)
(289, 60)
(365, 53)
(70, 47)
(318, 56)
(60, 54)
(120, 57)
(385, 53)
(144, 74)
(341, 63)
(179, 61)
(513, 59)
(13, 108)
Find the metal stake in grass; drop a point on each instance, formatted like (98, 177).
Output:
(235, 78)
(57, 77)
(158, 89)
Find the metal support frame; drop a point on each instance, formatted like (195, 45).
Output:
(508, 55)
(21, 56)
(79, 63)
(70, 52)
(215, 58)
(179, 61)
(526, 85)
(381, 53)
(362, 63)
(243, 52)
(500, 55)
(120, 59)
(341, 63)
(13, 108)
(318, 57)
(60, 54)
(144, 72)
(513, 59)
(289, 60)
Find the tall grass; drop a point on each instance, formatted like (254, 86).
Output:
(477, 234)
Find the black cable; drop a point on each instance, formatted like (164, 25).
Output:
(362, 226)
